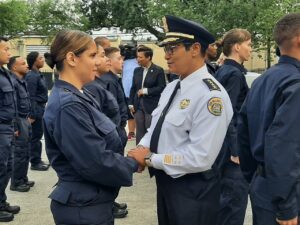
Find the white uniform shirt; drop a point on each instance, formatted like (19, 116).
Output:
(194, 129)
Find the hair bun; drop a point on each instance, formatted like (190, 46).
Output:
(49, 60)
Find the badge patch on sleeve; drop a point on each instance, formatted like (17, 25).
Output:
(215, 106)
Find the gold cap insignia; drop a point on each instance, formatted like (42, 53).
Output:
(184, 103)
(165, 24)
(215, 106)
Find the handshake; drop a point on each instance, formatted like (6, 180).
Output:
(139, 154)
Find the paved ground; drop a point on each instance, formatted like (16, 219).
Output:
(140, 199)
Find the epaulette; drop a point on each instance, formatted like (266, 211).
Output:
(211, 84)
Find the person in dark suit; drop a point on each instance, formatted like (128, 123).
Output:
(148, 83)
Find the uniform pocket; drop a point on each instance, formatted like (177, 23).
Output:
(176, 118)
(60, 195)
(8, 95)
(24, 100)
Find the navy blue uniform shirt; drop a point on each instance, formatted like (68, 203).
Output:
(8, 104)
(268, 134)
(38, 93)
(232, 76)
(114, 85)
(82, 144)
(108, 103)
(23, 101)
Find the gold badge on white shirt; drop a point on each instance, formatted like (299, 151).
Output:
(185, 103)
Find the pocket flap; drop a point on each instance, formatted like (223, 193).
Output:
(60, 194)
(7, 89)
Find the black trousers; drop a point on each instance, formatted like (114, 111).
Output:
(21, 153)
(234, 196)
(142, 122)
(98, 214)
(36, 144)
(191, 199)
(5, 164)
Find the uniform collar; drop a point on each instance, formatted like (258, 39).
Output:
(232, 62)
(191, 79)
(69, 87)
(18, 79)
(290, 60)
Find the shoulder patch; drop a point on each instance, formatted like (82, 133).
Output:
(215, 106)
(211, 84)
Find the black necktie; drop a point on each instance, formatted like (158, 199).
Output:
(156, 132)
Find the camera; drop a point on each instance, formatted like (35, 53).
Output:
(128, 51)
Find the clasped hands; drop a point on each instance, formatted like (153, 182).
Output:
(139, 153)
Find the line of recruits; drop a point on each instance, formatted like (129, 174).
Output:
(23, 96)
(203, 125)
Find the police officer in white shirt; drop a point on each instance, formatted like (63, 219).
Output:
(187, 130)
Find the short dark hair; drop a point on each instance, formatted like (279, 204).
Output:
(148, 52)
(286, 29)
(111, 50)
(12, 61)
(31, 58)
(3, 39)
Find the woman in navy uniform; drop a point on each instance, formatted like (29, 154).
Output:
(234, 193)
(81, 142)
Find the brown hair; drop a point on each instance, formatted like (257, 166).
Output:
(111, 50)
(101, 40)
(67, 41)
(232, 37)
(286, 29)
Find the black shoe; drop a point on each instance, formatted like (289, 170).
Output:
(11, 209)
(119, 213)
(20, 188)
(6, 216)
(120, 205)
(40, 166)
(30, 183)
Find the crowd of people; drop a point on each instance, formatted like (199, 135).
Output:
(208, 139)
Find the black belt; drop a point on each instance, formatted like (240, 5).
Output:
(260, 171)
(206, 175)
(8, 122)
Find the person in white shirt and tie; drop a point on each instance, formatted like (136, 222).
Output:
(187, 130)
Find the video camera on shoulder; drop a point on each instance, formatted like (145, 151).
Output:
(128, 51)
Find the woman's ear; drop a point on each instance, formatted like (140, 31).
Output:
(236, 47)
(196, 49)
(71, 59)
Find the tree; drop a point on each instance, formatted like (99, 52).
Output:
(14, 17)
(50, 16)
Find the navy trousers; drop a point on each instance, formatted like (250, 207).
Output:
(98, 214)
(191, 199)
(234, 196)
(5, 164)
(36, 144)
(21, 153)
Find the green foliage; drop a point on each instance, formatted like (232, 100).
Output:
(14, 17)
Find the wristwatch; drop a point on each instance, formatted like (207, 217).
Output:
(148, 158)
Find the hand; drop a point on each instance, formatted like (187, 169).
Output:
(139, 155)
(140, 93)
(31, 121)
(141, 169)
(235, 159)
(17, 133)
(132, 109)
(288, 222)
